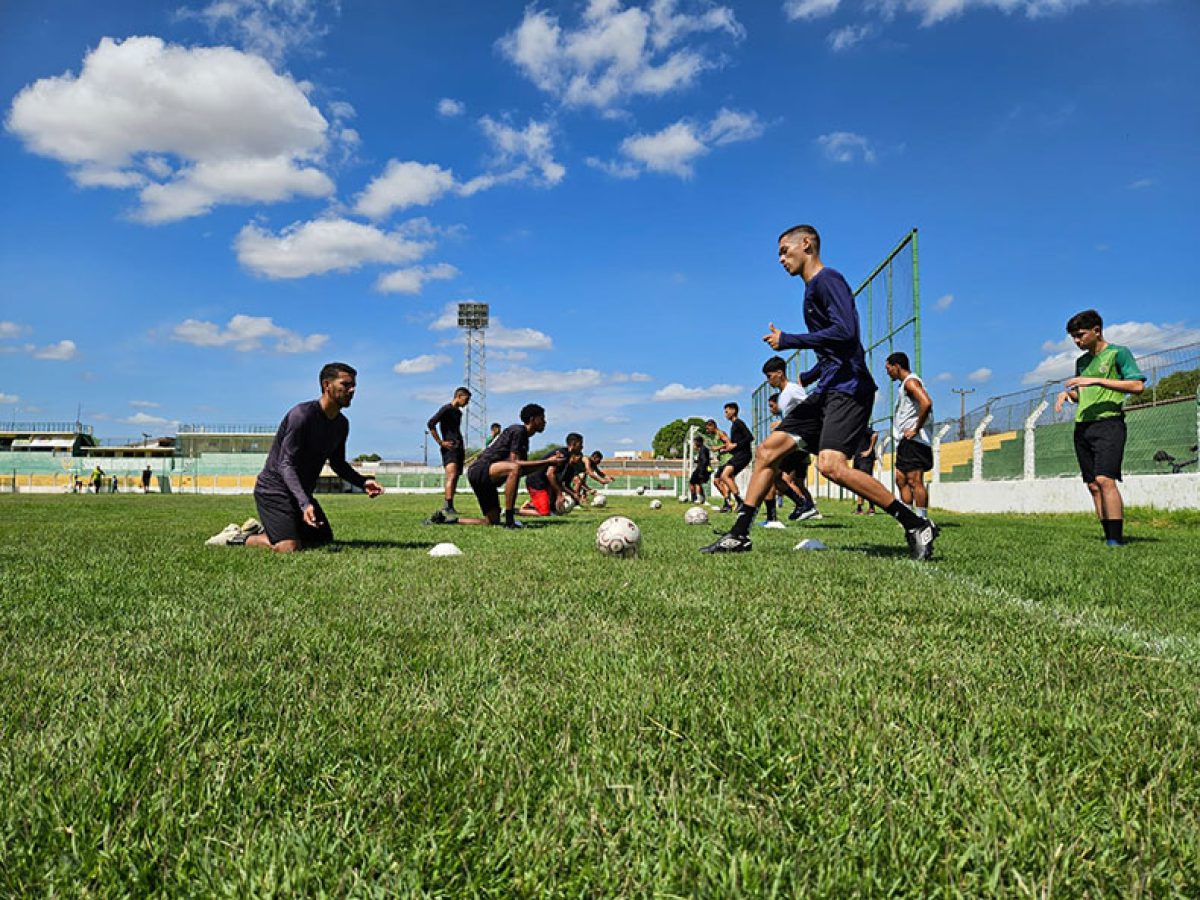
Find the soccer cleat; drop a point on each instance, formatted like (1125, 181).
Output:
(920, 541)
(514, 524)
(222, 537)
(728, 543)
(1113, 542)
(725, 507)
(804, 513)
(450, 516)
(251, 526)
(438, 518)
(771, 523)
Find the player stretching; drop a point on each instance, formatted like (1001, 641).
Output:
(311, 433)
(914, 456)
(701, 470)
(737, 445)
(1103, 376)
(793, 468)
(548, 486)
(449, 418)
(836, 413)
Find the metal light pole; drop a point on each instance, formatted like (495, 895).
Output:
(473, 320)
(962, 410)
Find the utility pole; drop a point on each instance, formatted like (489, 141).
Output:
(962, 410)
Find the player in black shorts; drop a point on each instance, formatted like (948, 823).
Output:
(701, 469)
(864, 461)
(450, 441)
(739, 446)
(832, 419)
(585, 468)
(547, 487)
(309, 435)
(503, 461)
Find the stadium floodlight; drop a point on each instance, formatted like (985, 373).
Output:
(473, 320)
(472, 315)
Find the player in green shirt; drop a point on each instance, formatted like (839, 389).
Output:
(1103, 376)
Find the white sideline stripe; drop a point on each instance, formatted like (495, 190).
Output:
(1173, 647)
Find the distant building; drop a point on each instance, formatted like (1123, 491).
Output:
(194, 440)
(55, 438)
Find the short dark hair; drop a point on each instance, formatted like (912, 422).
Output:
(462, 390)
(804, 229)
(330, 371)
(496, 426)
(1089, 318)
(733, 406)
(775, 364)
(697, 440)
(529, 411)
(712, 422)
(899, 358)
(574, 436)
(597, 455)
(774, 398)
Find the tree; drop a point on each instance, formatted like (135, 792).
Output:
(1177, 384)
(367, 457)
(671, 439)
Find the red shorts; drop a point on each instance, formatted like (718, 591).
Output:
(540, 501)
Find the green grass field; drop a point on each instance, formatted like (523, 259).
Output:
(1018, 718)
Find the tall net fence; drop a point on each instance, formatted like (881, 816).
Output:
(1020, 435)
(889, 311)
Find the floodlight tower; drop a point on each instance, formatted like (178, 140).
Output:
(473, 320)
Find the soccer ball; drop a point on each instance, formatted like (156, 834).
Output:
(565, 505)
(599, 500)
(697, 515)
(682, 498)
(656, 504)
(641, 490)
(618, 536)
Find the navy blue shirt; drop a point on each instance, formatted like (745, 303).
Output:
(835, 337)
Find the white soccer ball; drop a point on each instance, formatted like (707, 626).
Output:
(656, 504)
(697, 515)
(641, 490)
(618, 536)
(599, 500)
(565, 505)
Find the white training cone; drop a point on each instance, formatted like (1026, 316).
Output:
(444, 550)
(810, 544)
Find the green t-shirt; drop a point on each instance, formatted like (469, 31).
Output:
(1113, 362)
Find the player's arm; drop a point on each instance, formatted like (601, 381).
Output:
(807, 378)
(432, 427)
(1124, 385)
(289, 454)
(920, 396)
(870, 448)
(1070, 395)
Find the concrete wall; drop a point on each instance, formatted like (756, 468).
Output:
(1052, 495)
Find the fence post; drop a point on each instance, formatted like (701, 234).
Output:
(937, 453)
(1030, 423)
(977, 449)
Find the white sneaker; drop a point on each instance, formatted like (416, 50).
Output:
(221, 538)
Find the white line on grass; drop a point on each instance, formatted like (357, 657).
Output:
(1163, 647)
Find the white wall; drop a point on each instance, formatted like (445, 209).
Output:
(1062, 494)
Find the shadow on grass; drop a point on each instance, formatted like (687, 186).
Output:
(882, 550)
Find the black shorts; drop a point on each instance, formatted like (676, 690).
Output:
(485, 490)
(737, 462)
(1100, 448)
(913, 456)
(795, 464)
(830, 421)
(455, 454)
(864, 463)
(700, 477)
(282, 520)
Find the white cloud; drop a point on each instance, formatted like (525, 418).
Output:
(675, 148)
(214, 124)
(1141, 184)
(980, 375)
(943, 303)
(411, 281)
(850, 35)
(846, 147)
(449, 107)
(12, 330)
(9, 398)
(520, 378)
(616, 53)
(508, 355)
(809, 9)
(530, 149)
(323, 245)
(246, 333)
(499, 336)
(640, 376)
(626, 441)
(269, 28)
(615, 420)
(931, 12)
(420, 365)
(944, 376)
(676, 391)
(144, 404)
(401, 185)
(145, 419)
(62, 351)
(1141, 338)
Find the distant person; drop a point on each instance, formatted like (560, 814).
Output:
(792, 470)
(701, 469)
(112, 485)
(450, 442)
(914, 455)
(495, 434)
(837, 411)
(592, 471)
(547, 487)
(1104, 375)
(502, 462)
(97, 479)
(739, 445)
(311, 433)
(146, 476)
(864, 461)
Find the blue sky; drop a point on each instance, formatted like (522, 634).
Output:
(204, 202)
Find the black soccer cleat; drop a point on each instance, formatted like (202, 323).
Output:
(513, 524)
(729, 543)
(438, 518)
(920, 541)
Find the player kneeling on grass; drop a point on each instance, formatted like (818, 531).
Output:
(548, 486)
(310, 434)
(837, 412)
(503, 461)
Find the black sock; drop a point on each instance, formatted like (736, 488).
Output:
(737, 501)
(745, 517)
(772, 511)
(1113, 529)
(449, 504)
(510, 516)
(903, 515)
(792, 495)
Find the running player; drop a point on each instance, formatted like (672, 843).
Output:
(837, 411)
(793, 468)
(739, 446)
(548, 486)
(450, 441)
(864, 461)
(914, 455)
